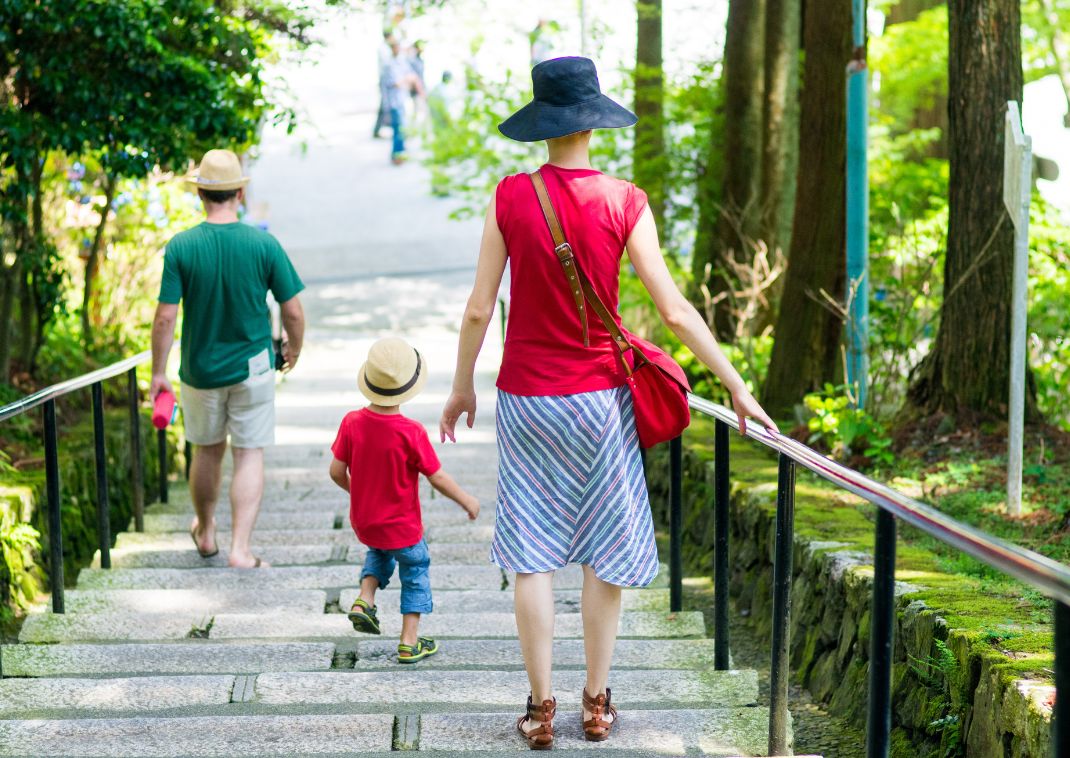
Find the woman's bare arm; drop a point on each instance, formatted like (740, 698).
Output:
(477, 316)
(684, 320)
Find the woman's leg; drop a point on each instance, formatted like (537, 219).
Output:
(600, 607)
(534, 601)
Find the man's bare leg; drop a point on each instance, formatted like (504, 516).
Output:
(205, 477)
(246, 491)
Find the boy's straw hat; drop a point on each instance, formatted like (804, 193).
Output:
(219, 170)
(394, 372)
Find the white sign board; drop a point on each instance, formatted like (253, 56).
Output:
(1017, 186)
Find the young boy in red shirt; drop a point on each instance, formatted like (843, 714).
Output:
(378, 458)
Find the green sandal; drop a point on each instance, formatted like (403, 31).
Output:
(363, 617)
(424, 647)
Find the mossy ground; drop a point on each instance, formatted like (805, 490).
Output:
(1000, 615)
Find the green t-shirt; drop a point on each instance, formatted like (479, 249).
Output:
(222, 274)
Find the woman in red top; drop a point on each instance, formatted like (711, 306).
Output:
(570, 480)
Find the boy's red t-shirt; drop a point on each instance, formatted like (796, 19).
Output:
(386, 455)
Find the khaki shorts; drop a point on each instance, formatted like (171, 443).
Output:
(245, 411)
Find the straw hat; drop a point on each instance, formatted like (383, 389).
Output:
(219, 170)
(393, 374)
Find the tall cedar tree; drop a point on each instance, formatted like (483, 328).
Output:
(724, 232)
(967, 373)
(806, 350)
(780, 113)
(650, 161)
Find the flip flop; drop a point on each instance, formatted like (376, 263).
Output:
(203, 554)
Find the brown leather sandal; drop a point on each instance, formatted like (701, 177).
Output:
(541, 737)
(597, 729)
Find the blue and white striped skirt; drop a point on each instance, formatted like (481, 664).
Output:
(571, 487)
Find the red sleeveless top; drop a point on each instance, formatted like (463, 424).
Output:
(544, 352)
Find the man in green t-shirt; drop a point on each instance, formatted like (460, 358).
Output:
(222, 270)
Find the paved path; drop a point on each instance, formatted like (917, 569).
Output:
(168, 654)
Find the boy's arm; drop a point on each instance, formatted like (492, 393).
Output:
(340, 474)
(446, 485)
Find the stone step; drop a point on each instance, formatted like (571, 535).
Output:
(180, 540)
(708, 732)
(286, 577)
(86, 627)
(182, 555)
(24, 697)
(375, 654)
(443, 577)
(442, 690)
(464, 533)
(176, 517)
(193, 657)
(197, 602)
(474, 601)
(178, 522)
(204, 736)
(185, 557)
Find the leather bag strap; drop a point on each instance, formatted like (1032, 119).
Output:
(578, 281)
(563, 250)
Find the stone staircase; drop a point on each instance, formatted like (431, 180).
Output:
(169, 654)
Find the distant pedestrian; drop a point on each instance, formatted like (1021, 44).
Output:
(397, 80)
(570, 478)
(382, 118)
(379, 456)
(221, 272)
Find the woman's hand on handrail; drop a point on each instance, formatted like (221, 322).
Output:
(458, 403)
(745, 406)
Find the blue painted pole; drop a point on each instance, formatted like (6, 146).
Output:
(857, 210)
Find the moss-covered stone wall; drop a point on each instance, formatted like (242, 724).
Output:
(24, 569)
(959, 688)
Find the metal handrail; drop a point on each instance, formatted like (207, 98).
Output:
(70, 385)
(1044, 574)
(47, 398)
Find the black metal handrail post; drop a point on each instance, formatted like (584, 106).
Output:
(55, 522)
(136, 471)
(782, 570)
(1060, 717)
(676, 565)
(100, 457)
(881, 638)
(721, 493)
(161, 451)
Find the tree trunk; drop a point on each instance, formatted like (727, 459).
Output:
(92, 263)
(649, 158)
(28, 303)
(726, 233)
(780, 114)
(8, 296)
(806, 350)
(967, 373)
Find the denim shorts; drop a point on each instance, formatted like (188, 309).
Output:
(414, 563)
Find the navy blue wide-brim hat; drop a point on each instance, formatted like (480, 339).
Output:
(567, 99)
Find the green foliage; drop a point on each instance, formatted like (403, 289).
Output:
(844, 430)
(910, 63)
